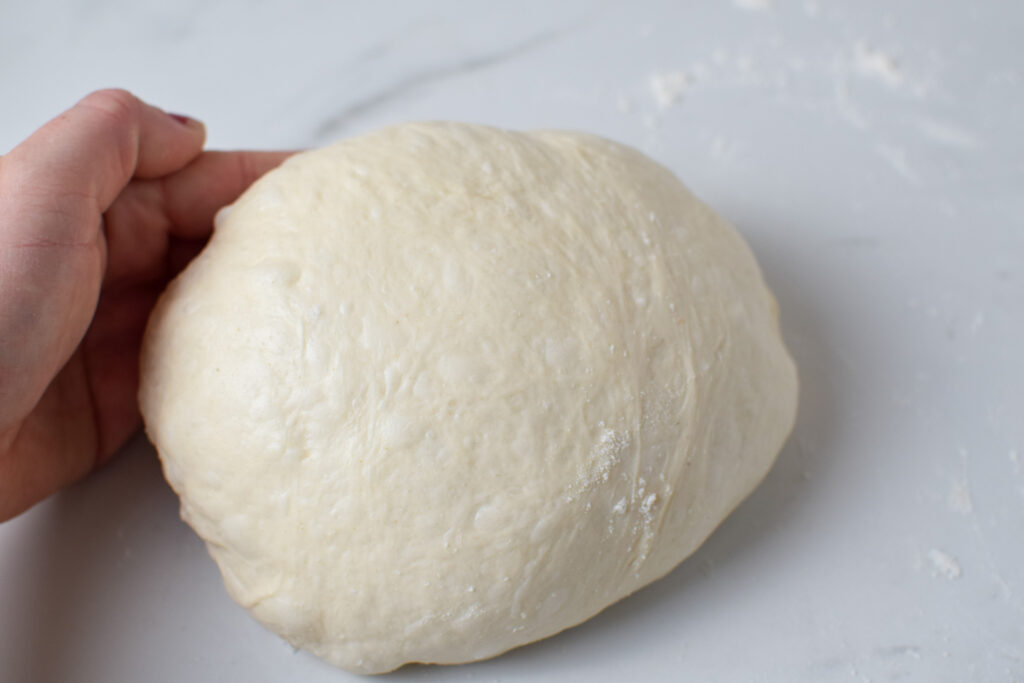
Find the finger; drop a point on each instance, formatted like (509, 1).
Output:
(83, 158)
(215, 179)
(148, 221)
(52, 447)
(180, 253)
(110, 352)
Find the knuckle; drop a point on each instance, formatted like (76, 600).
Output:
(120, 106)
(117, 122)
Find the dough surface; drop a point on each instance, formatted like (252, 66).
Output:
(442, 390)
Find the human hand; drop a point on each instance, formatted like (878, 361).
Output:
(99, 209)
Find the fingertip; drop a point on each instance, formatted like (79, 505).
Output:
(163, 142)
(168, 142)
(181, 118)
(119, 103)
(192, 124)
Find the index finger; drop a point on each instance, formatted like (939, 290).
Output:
(142, 222)
(192, 197)
(83, 158)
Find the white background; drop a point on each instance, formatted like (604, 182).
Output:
(872, 153)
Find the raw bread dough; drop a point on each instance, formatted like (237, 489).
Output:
(443, 390)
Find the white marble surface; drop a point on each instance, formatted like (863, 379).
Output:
(872, 154)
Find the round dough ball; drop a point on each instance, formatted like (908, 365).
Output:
(442, 390)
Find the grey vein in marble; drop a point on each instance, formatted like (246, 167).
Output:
(421, 79)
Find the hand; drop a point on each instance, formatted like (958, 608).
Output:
(99, 209)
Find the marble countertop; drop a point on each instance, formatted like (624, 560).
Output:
(873, 155)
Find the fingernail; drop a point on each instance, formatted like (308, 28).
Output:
(182, 119)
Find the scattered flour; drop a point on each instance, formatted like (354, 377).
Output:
(944, 564)
(605, 455)
(724, 151)
(959, 498)
(823, 81)
(877, 64)
(845, 107)
(667, 87)
(647, 507)
(896, 157)
(759, 5)
(948, 134)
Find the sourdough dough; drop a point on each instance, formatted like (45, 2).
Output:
(443, 390)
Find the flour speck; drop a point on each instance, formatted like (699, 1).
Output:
(753, 5)
(959, 499)
(944, 564)
(667, 87)
(875, 63)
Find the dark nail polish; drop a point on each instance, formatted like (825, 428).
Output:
(180, 118)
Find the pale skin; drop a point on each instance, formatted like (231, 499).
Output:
(99, 209)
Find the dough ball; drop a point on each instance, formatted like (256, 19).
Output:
(442, 390)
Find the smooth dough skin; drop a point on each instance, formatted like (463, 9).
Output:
(442, 390)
